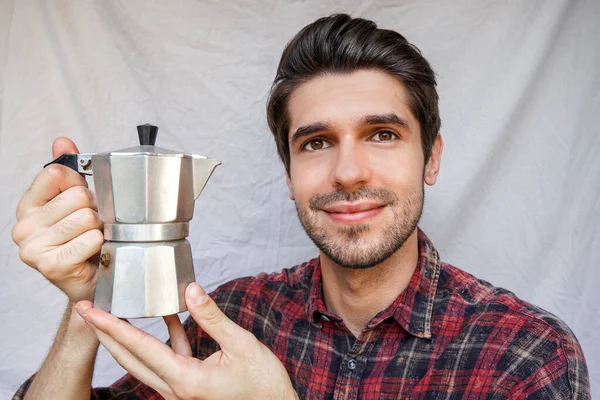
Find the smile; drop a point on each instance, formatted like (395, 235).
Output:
(353, 213)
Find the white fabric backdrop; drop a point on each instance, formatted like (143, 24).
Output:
(516, 202)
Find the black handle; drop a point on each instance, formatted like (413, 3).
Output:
(81, 163)
(68, 160)
(147, 134)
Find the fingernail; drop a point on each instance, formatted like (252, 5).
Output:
(84, 315)
(196, 294)
(81, 313)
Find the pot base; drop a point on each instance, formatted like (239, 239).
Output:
(141, 279)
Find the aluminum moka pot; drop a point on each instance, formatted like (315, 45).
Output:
(145, 198)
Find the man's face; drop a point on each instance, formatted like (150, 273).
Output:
(357, 165)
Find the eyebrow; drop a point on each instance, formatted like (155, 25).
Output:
(385, 119)
(374, 119)
(307, 130)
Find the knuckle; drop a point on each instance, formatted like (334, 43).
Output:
(48, 269)
(21, 211)
(25, 254)
(87, 217)
(96, 238)
(92, 217)
(180, 385)
(54, 172)
(119, 359)
(51, 173)
(24, 208)
(17, 233)
(144, 339)
(80, 195)
(213, 315)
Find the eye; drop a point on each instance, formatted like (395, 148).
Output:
(315, 145)
(385, 136)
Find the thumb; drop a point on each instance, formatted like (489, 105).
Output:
(212, 320)
(63, 145)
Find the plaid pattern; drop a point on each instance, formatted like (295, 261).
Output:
(447, 336)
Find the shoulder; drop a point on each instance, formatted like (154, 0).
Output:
(480, 296)
(531, 340)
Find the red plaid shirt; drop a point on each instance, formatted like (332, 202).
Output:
(448, 335)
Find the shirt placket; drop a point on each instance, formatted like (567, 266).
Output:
(353, 366)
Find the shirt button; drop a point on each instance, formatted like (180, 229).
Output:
(352, 365)
(324, 318)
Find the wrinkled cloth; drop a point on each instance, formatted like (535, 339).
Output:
(447, 335)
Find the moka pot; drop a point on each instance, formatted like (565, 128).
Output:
(145, 197)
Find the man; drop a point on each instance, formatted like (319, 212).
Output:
(354, 113)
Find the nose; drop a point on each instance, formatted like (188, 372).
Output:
(351, 170)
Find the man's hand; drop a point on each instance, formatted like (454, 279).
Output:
(58, 228)
(243, 369)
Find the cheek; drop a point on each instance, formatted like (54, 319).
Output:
(307, 180)
(402, 169)
(303, 186)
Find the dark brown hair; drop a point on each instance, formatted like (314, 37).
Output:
(342, 44)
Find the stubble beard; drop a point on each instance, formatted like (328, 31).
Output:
(348, 247)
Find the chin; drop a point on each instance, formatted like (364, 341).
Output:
(356, 246)
(359, 253)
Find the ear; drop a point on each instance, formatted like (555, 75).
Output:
(432, 168)
(288, 181)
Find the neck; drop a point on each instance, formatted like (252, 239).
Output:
(357, 295)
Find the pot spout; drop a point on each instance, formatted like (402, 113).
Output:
(203, 168)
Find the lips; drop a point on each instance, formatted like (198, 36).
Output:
(353, 212)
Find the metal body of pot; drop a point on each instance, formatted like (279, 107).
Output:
(145, 197)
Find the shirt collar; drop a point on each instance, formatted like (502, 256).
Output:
(412, 309)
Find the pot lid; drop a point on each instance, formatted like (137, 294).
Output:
(147, 135)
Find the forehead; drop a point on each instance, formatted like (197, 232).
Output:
(340, 99)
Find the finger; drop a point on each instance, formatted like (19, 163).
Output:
(63, 145)
(67, 259)
(69, 228)
(83, 305)
(51, 181)
(231, 337)
(153, 353)
(179, 340)
(63, 231)
(63, 205)
(127, 360)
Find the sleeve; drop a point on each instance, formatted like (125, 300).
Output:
(20, 393)
(564, 375)
(127, 387)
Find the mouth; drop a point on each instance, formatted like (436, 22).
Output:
(352, 213)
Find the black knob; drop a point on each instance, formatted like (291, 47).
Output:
(147, 134)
